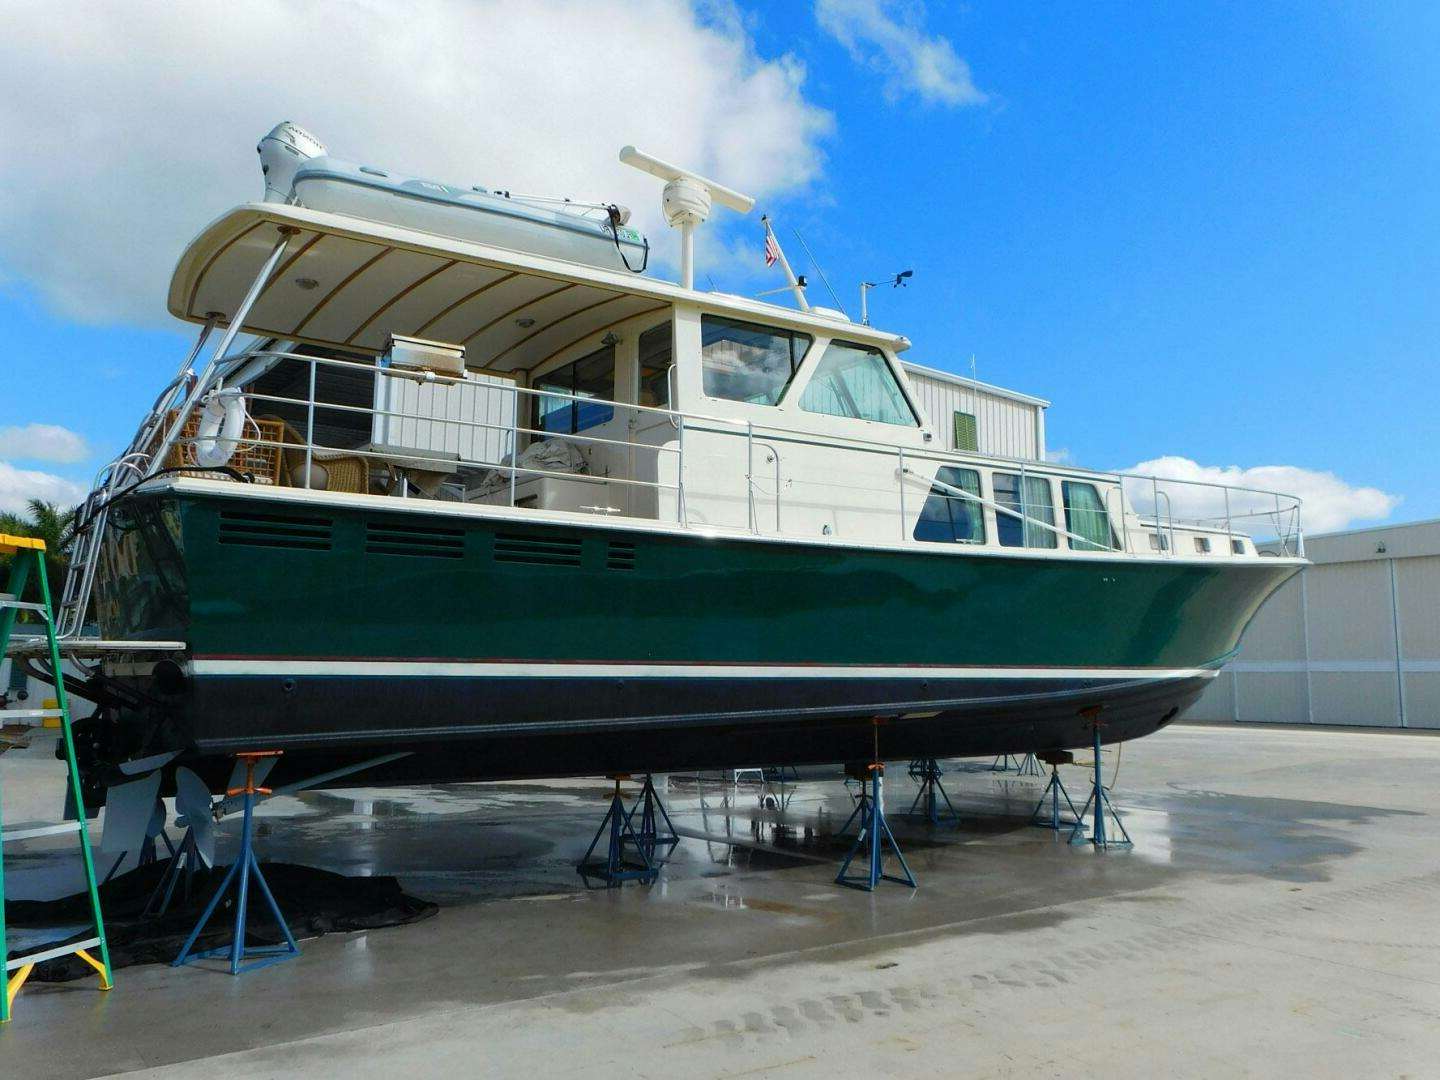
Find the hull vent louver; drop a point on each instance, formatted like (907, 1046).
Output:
(426, 541)
(621, 556)
(291, 531)
(512, 548)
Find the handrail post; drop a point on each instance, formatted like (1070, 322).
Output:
(310, 431)
(750, 476)
(1024, 508)
(514, 440)
(1229, 527)
(683, 511)
(1155, 501)
(236, 322)
(900, 451)
(775, 457)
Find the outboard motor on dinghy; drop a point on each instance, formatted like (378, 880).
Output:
(282, 152)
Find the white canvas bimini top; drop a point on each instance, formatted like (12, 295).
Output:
(349, 283)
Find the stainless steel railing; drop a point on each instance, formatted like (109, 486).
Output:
(1282, 516)
(1221, 509)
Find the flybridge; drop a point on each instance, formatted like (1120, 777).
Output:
(299, 171)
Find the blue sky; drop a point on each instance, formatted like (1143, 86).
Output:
(1205, 231)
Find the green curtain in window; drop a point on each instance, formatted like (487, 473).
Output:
(1085, 516)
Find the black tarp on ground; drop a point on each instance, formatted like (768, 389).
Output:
(314, 901)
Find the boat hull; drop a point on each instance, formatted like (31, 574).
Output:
(491, 647)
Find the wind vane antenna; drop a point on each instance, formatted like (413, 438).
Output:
(686, 202)
(797, 285)
(896, 282)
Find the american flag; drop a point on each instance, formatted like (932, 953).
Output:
(772, 249)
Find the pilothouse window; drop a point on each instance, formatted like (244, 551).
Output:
(591, 376)
(746, 362)
(856, 382)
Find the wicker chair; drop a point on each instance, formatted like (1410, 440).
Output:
(341, 469)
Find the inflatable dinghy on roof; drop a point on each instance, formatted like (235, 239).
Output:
(299, 171)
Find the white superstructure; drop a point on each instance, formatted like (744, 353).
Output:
(969, 415)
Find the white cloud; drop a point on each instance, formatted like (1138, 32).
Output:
(129, 127)
(889, 36)
(1059, 455)
(18, 486)
(43, 442)
(1328, 502)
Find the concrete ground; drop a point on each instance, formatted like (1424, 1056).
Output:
(1276, 917)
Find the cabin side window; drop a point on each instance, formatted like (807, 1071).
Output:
(657, 357)
(1028, 502)
(854, 381)
(747, 362)
(947, 516)
(592, 376)
(1087, 518)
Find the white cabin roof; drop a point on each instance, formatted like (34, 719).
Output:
(349, 283)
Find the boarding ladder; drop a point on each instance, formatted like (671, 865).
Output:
(28, 556)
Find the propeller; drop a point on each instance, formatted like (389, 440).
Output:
(193, 808)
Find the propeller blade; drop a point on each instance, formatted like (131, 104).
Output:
(128, 810)
(193, 803)
(146, 764)
(157, 821)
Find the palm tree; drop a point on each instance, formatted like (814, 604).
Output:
(48, 522)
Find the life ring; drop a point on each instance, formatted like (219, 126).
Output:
(222, 422)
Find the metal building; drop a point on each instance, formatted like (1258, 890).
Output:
(972, 415)
(1355, 639)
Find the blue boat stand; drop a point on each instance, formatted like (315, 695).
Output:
(873, 837)
(245, 868)
(631, 854)
(183, 865)
(1100, 800)
(932, 792)
(1053, 793)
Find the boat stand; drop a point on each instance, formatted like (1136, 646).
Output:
(1030, 766)
(184, 864)
(1101, 803)
(1053, 793)
(628, 857)
(932, 792)
(652, 814)
(873, 837)
(1005, 763)
(242, 870)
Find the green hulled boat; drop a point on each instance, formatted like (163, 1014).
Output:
(460, 510)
